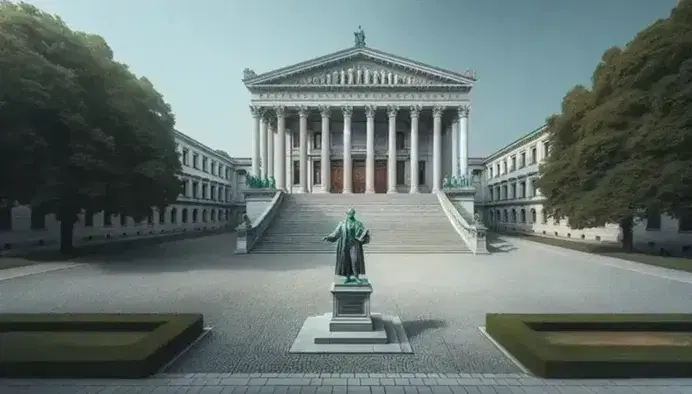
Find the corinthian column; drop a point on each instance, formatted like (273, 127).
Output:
(303, 164)
(437, 148)
(454, 130)
(415, 113)
(325, 159)
(370, 149)
(348, 162)
(281, 147)
(256, 115)
(391, 157)
(270, 149)
(464, 139)
(263, 147)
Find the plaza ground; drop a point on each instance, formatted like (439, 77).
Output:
(257, 303)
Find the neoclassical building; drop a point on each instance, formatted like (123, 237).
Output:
(211, 199)
(359, 120)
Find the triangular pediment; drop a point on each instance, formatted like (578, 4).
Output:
(359, 66)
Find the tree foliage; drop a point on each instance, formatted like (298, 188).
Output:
(625, 145)
(79, 130)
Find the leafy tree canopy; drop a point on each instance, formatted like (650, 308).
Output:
(79, 130)
(625, 145)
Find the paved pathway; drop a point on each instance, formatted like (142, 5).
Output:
(19, 269)
(346, 383)
(257, 304)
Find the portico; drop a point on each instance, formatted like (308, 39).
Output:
(360, 121)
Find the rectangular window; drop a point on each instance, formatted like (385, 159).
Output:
(195, 161)
(533, 155)
(490, 193)
(421, 172)
(195, 190)
(653, 219)
(123, 220)
(107, 218)
(497, 172)
(316, 172)
(317, 141)
(296, 172)
(88, 218)
(213, 193)
(205, 163)
(186, 157)
(685, 221)
(546, 147)
(38, 219)
(400, 172)
(204, 192)
(296, 141)
(513, 165)
(400, 142)
(522, 160)
(213, 168)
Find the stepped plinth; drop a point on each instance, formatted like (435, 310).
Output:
(351, 327)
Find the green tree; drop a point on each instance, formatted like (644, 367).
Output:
(624, 146)
(79, 132)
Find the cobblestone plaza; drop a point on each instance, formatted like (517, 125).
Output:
(257, 303)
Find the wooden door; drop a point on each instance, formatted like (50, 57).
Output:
(381, 176)
(359, 176)
(337, 176)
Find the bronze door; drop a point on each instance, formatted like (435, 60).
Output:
(381, 176)
(359, 176)
(337, 176)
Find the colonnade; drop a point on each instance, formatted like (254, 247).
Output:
(269, 154)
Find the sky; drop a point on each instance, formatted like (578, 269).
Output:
(526, 53)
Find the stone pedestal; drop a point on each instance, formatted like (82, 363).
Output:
(351, 327)
(351, 307)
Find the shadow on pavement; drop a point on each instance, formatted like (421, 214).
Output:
(499, 244)
(415, 328)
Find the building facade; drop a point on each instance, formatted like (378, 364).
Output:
(359, 121)
(211, 199)
(510, 202)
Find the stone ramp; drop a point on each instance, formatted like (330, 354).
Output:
(399, 223)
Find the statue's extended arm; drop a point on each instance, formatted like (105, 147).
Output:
(335, 235)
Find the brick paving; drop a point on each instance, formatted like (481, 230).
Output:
(346, 383)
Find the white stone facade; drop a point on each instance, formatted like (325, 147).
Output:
(359, 121)
(211, 200)
(510, 202)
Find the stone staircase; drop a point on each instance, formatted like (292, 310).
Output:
(398, 223)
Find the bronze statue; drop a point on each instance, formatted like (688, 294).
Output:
(350, 235)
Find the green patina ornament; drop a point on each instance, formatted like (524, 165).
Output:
(272, 182)
(446, 184)
(455, 182)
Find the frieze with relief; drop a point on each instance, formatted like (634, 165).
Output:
(374, 96)
(362, 72)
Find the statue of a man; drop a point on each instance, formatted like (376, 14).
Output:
(350, 236)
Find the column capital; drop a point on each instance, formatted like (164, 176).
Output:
(464, 110)
(303, 111)
(256, 111)
(370, 111)
(280, 111)
(347, 110)
(415, 110)
(392, 110)
(325, 111)
(437, 111)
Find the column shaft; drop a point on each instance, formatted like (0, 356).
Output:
(391, 154)
(437, 149)
(264, 170)
(370, 149)
(256, 115)
(454, 130)
(271, 136)
(303, 164)
(415, 113)
(464, 139)
(281, 147)
(325, 159)
(348, 162)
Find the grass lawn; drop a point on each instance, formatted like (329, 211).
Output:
(614, 250)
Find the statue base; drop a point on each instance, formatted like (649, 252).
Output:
(351, 327)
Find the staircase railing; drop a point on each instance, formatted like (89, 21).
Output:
(251, 232)
(472, 234)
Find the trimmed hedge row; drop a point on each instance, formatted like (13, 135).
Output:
(166, 336)
(522, 336)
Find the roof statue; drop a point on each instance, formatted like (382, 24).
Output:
(359, 37)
